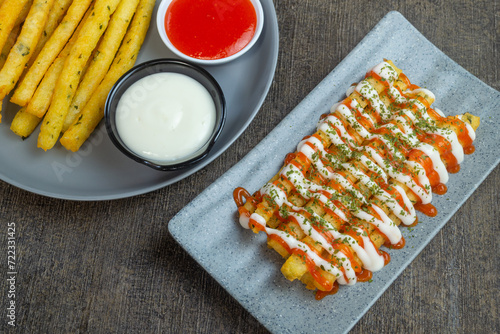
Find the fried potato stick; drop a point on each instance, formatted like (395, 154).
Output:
(103, 58)
(24, 123)
(54, 45)
(70, 76)
(14, 33)
(57, 13)
(92, 114)
(21, 52)
(40, 102)
(8, 44)
(10, 10)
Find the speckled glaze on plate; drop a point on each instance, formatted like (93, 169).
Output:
(99, 171)
(240, 260)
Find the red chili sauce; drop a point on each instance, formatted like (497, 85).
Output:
(210, 29)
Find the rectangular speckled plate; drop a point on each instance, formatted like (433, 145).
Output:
(241, 262)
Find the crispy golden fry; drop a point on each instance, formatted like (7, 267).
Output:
(70, 76)
(92, 114)
(40, 102)
(474, 121)
(10, 10)
(8, 44)
(103, 58)
(27, 119)
(58, 11)
(24, 123)
(54, 45)
(14, 33)
(21, 51)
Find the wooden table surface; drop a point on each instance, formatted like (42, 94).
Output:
(112, 267)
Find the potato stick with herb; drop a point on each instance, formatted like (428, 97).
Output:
(58, 11)
(8, 44)
(10, 10)
(24, 13)
(40, 102)
(14, 33)
(54, 45)
(24, 123)
(20, 53)
(70, 76)
(103, 58)
(92, 114)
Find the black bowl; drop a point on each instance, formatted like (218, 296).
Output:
(171, 66)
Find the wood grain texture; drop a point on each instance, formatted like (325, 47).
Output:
(112, 267)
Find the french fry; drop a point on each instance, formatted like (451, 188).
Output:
(92, 114)
(474, 121)
(10, 10)
(58, 11)
(103, 58)
(54, 45)
(14, 33)
(21, 51)
(8, 44)
(70, 76)
(24, 123)
(40, 102)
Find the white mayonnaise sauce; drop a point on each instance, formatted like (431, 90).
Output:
(165, 117)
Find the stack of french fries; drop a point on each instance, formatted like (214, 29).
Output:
(60, 59)
(323, 211)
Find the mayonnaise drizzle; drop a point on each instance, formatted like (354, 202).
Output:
(330, 124)
(368, 254)
(342, 258)
(386, 72)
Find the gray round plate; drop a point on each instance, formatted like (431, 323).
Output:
(99, 171)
